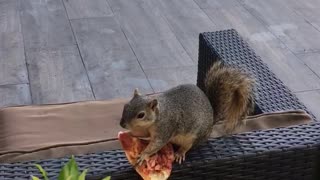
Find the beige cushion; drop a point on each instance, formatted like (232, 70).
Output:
(267, 121)
(49, 131)
(53, 131)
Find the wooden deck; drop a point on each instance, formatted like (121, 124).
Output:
(54, 51)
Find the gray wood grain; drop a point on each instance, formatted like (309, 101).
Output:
(312, 101)
(300, 38)
(57, 75)
(112, 66)
(162, 37)
(10, 25)
(311, 15)
(102, 44)
(121, 83)
(14, 95)
(153, 42)
(165, 78)
(302, 4)
(45, 24)
(217, 3)
(87, 8)
(13, 66)
(12, 61)
(293, 72)
(236, 17)
(272, 12)
(279, 58)
(185, 21)
(312, 60)
(287, 25)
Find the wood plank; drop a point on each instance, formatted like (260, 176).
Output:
(287, 66)
(312, 101)
(280, 59)
(45, 24)
(203, 4)
(186, 21)
(165, 78)
(312, 60)
(296, 4)
(14, 95)
(87, 8)
(57, 75)
(272, 12)
(300, 38)
(13, 66)
(121, 83)
(12, 61)
(287, 25)
(153, 42)
(311, 15)
(10, 25)
(112, 67)
(239, 18)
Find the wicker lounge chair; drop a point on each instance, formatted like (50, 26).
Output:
(282, 153)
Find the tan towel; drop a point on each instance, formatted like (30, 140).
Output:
(267, 121)
(54, 131)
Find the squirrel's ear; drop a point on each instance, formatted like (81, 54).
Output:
(136, 92)
(153, 104)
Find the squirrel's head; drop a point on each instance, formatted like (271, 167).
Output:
(139, 112)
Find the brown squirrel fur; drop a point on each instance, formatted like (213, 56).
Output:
(185, 115)
(230, 92)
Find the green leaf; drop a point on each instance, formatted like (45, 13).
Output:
(107, 178)
(74, 167)
(35, 178)
(83, 175)
(69, 178)
(69, 171)
(43, 172)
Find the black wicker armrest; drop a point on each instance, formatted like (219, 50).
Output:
(228, 47)
(282, 153)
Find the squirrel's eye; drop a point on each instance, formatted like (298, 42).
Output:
(140, 115)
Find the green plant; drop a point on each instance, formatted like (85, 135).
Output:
(69, 171)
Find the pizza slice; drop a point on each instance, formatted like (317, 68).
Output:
(157, 167)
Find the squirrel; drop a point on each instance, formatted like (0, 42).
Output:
(185, 115)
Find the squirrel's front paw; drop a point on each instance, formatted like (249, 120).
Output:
(140, 159)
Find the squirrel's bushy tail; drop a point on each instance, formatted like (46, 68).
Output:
(230, 92)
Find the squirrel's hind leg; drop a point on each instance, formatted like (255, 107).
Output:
(180, 155)
(185, 142)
